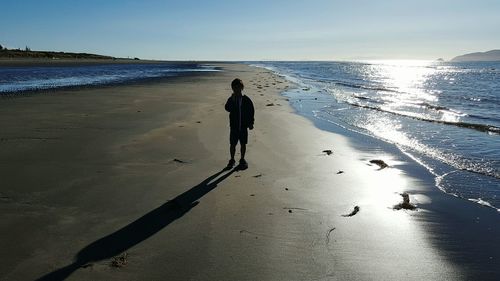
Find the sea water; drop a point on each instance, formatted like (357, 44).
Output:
(445, 115)
(32, 78)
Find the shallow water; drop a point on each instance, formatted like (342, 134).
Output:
(21, 79)
(444, 115)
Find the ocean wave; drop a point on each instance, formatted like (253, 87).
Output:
(484, 203)
(365, 87)
(474, 126)
(461, 184)
(434, 107)
(420, 104)
(33, 79)
(368, 99)
(460, 162)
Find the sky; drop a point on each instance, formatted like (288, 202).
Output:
(254, 29)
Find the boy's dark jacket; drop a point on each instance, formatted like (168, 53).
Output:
(247, 112)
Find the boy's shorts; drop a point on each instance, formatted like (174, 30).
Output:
(236, 135)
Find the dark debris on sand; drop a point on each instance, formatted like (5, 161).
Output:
(380, 163)
(120, 261)
(405, 204)
(328, 151)
(354, 211)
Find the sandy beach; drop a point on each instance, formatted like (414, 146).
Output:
(127, 183)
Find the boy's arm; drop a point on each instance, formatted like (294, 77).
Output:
(229, 104)
(252, 112)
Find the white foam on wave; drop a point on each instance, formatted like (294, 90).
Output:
(484, 203)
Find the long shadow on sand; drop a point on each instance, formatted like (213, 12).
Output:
(140, 229)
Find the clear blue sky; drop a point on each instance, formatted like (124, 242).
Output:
(254, 29)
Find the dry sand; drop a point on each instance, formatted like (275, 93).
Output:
(87, 176)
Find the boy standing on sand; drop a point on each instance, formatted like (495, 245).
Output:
(241, 117)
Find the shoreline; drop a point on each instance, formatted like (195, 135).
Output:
(103, 163)
(365, 141)
(82, 84)
(451, 212)
(23, 62)
(301, 97)
(131, 82)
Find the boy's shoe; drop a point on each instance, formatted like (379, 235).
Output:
(243, 164)
(230, 164)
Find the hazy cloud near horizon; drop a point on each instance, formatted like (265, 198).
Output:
(255, 30)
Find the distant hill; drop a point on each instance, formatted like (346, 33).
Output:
(493, 55)
(28, 53)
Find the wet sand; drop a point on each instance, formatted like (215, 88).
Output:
(126, 183)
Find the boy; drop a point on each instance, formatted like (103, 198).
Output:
(241, 117)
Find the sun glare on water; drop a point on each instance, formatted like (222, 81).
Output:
(402, 88)
(406, 78)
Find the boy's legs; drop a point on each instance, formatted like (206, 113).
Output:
(236, 136)
(243, 138)
(233, 140)
(232, 150)
(243, 149)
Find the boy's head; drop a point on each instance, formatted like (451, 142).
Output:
(237, 85)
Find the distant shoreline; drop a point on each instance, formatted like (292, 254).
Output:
(27, 76)
(75, 62)
(69, 62)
